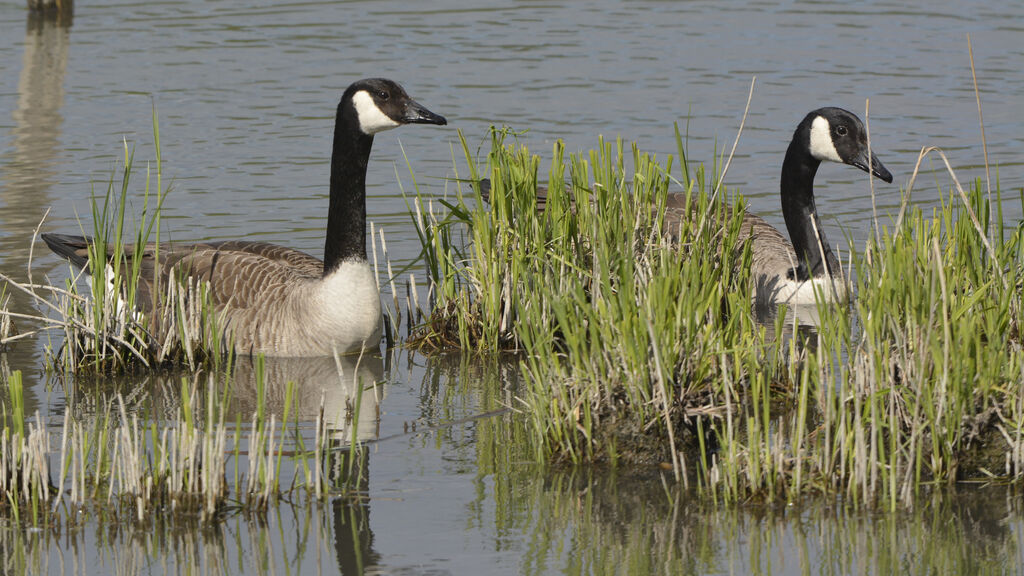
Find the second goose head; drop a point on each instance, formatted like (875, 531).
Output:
(825, 135)
(838, 135)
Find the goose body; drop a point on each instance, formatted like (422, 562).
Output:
(275, 300)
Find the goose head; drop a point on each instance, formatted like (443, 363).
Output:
(378, 104)
(837, 135)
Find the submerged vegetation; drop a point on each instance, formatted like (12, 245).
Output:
(640, 350)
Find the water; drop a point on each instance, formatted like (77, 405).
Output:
(245, 97)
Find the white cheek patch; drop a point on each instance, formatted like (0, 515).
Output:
(822, 147)
(371, 118)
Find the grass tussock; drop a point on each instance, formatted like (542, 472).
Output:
(589, 288)
(919, 382)
(96, 310)
(642, 350)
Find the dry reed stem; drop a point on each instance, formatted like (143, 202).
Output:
(963, 197)
(981, 121)
(871, 179)
(739, 132)
(32, 245)
(660, 380)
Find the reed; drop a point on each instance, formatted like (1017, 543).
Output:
(916, 385)
(588, 289)
(644, 350)
(24, 469)
(103, 327)
(8, 330)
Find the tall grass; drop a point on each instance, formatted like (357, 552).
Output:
(919, 382)
(645, 350)
(625, 332)
(96, 310)
(24, 468)
(120, 463)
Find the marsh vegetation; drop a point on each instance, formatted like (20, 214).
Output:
(641, 350)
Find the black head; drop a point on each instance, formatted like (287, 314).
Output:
(380, 104)
(837, 135)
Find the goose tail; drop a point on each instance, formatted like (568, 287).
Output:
(72, 248)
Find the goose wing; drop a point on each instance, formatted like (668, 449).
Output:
(771, 253)
(240, 274)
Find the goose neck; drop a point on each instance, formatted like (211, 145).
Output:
(346, 216)
(813, 252)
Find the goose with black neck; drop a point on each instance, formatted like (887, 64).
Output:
(797, 272)
(275, 300)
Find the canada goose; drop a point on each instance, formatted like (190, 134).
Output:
(791, 272)
(784, 271)
(279, 301)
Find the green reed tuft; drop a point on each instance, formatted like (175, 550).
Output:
(117, 463)
(104, 328)
(916, 384)
(589, 288)
(644, 349)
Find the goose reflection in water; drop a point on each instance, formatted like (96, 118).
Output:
(350, 386)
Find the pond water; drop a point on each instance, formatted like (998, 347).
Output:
(245, 96)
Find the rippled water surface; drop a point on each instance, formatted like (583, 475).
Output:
(245, 94)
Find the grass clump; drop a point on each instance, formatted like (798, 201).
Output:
(98, 309)
(916, 385)
(105, 332)
(626, 333)
(117, 461)
(644, 350)
(24, 468)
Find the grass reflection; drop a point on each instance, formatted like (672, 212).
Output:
(587, 523)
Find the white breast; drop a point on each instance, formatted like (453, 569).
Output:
(346, 308)
(792, 292)
(340, 313)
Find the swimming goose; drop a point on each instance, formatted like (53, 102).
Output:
(791, 272)
(276, 300)
(784, 271)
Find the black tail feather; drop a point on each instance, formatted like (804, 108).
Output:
(73, 248)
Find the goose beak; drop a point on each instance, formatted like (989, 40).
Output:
(876, 169)
(416, 113)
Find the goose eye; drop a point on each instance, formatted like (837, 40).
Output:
(840, 130)
(382, 95)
